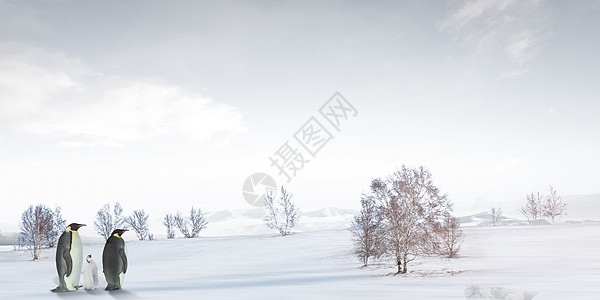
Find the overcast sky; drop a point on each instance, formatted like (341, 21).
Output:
(167, 104)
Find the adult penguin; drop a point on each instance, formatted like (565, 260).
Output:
(69, 259)
(114, 260)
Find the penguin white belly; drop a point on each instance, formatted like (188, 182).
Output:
(122, 275)
(76, 253)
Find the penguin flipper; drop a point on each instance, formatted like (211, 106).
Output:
(124, 259)
(68, 260)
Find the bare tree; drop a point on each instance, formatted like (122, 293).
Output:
(533, 208)
(282, 215)
(368, 231)
(118, 218)
(553, 207)
(181, 223)
(108, 219)
(104, 221)
(58, 227)
(411, 205)
(196, 221)
(450, 236)
(496, 212)
(138, 221)
(36, 225)
(169, 222)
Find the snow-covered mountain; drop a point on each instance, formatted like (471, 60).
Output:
(250, 221)
(582, 207)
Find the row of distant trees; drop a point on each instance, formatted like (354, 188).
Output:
(537, 206)
(109, 219)
(403, 217)
(281, 215)
(41, 226)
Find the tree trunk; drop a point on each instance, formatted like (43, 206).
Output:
(399, 267)
(404, 266)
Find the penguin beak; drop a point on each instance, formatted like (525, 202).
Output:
(81, 225)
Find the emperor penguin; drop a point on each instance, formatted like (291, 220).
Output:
(69, 259)
(114, 260)
(90, 274)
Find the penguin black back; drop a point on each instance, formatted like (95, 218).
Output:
(69, 259)
(114, 260)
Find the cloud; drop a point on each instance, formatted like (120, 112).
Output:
(474, 9)
(47, 94)
(515, 73)
(522, 48)
(505, 31)
(507, 164)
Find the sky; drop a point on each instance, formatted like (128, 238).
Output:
(167, 105)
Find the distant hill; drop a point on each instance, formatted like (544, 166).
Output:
(582, 207)
(250, 221)
(485, 219)
(8, 239)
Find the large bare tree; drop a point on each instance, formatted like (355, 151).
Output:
(554, 208)
(281, 215)
(533, 208)
(411, 205)
(36, 227)
(368, 231)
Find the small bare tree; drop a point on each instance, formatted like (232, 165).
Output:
(108, 219)
(533, 208)
(450, 236)
(196, 221)
(496, 212)
(554, 208)
(138, 221)
(169, 222)
(368, 231)
(36, 225)
(282, 215)
(58, 227)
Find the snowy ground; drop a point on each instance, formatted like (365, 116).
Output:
(559, 262)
